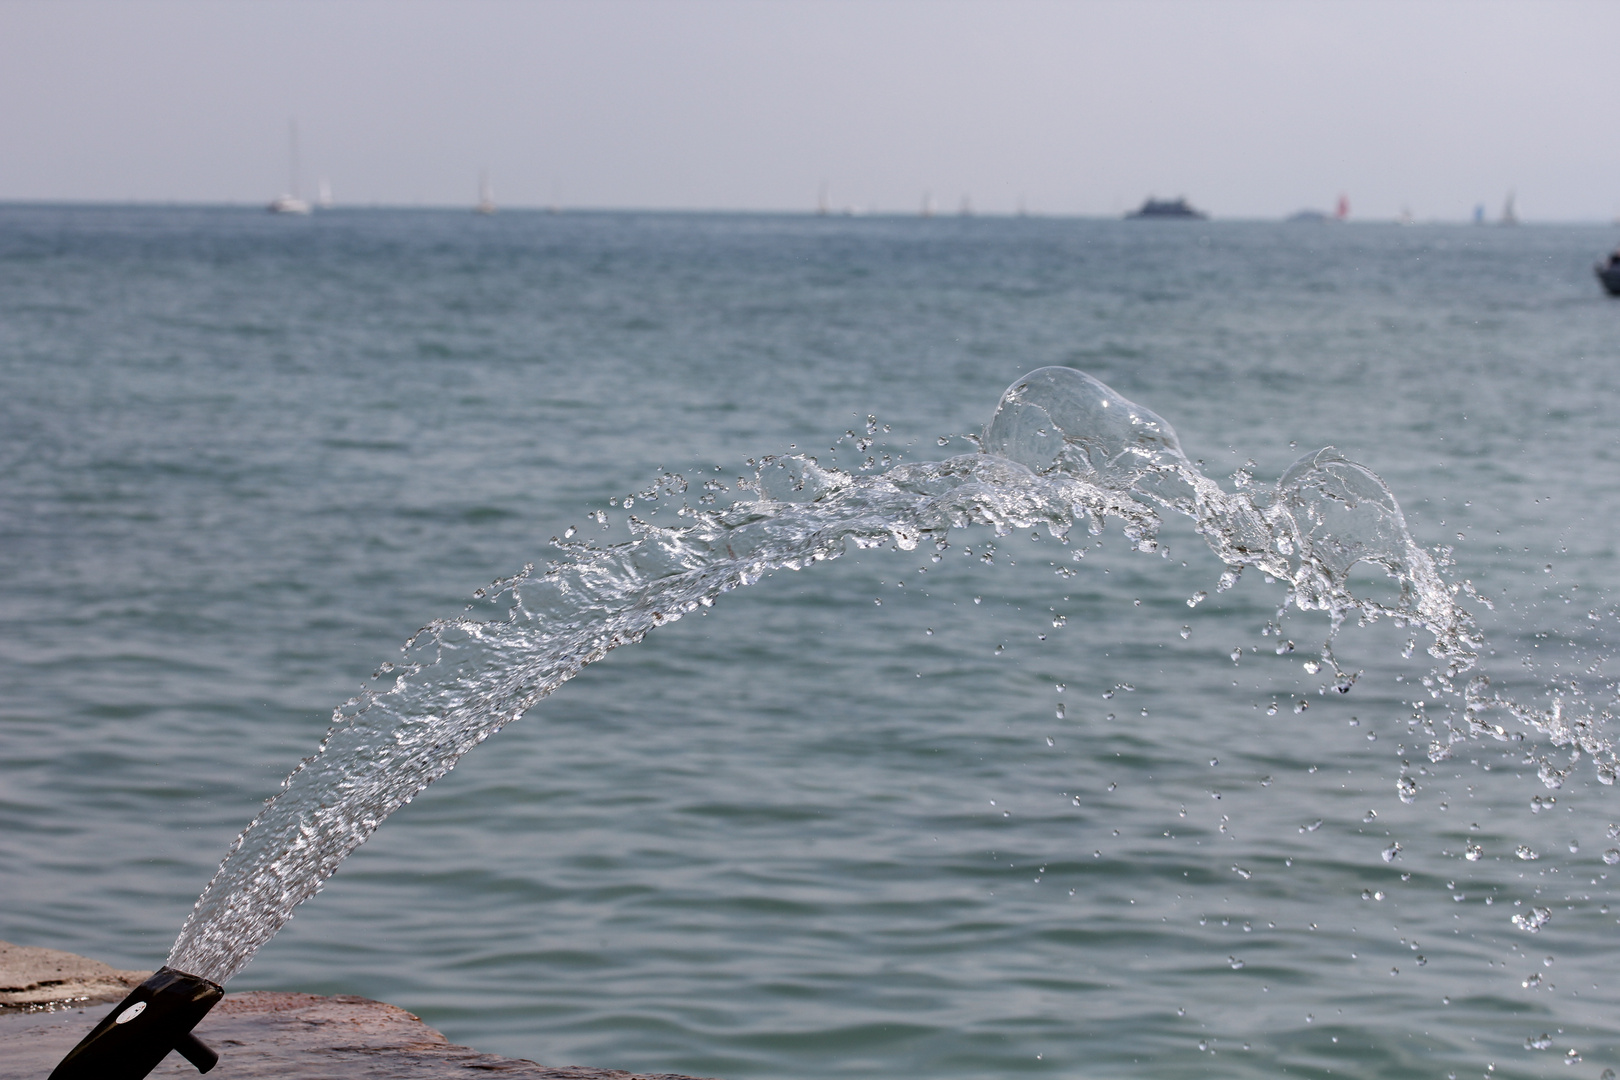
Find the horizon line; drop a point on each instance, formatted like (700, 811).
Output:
(548, 208)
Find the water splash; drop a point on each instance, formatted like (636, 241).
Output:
(1061, 450)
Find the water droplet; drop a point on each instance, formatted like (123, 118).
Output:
(1391, 853)
(1524, 852)
(1533, 920)
(1571, 1057)
(1312, 666)
(1574, 847)
(1242, 873)
(1538, 1042)
(1237, 965)
(1049, 738)
(1406, 788)
(1611, 856)
(1061, 711)
(1474, 852)
(1186, 632)
(1196, 598)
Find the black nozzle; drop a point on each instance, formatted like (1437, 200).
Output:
(157, 1017)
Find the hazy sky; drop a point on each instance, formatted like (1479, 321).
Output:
(1248, 108)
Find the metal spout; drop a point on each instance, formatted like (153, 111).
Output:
(155, 1018)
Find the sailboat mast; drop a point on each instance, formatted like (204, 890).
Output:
(292, 157)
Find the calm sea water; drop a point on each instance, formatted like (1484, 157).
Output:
(835, 826)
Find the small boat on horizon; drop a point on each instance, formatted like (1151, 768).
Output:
(1608, 272)
(1167, 209)
(486, 195)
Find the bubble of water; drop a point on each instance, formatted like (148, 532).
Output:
(1538, 1042)
(1474, 852)
(1525, 852)
(1104, 438)
(1612, 856)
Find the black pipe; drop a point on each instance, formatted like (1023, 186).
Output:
(157, 1017)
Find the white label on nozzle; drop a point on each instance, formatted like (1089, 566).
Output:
(131, 1013)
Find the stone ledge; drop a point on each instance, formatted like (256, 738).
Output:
(34, 978)
(260, 1035)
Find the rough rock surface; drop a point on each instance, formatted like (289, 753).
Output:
(31, 977)
(262, 1035)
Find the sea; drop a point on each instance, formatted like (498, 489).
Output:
(1018, 805)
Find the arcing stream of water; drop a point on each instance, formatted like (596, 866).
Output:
(1061, 450)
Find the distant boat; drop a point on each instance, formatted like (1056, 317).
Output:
(1341, 212)
(1608, 272)
(288, 201)
(486, 195)
(323, 195)
(1509, 216)
(1165, 208)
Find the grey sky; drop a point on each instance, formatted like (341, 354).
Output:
(1248, 108)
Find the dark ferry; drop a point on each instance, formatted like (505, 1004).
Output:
(1166, 208)
(1608, 272)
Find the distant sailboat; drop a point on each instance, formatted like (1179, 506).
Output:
(1509, 215)
(288, 201)
(486, 195)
